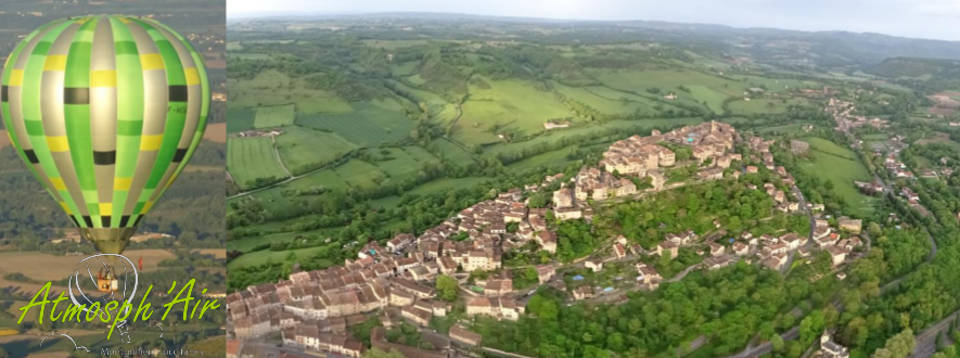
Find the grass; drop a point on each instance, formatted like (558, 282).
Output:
(623, 127)
(513, 106)
(370, 123)
(250, 159)
(708, 97)
(274, 116)
(360, 174)
(760, 106)
(609, 102)
(845, 167)
(304, 149)
(446, 149)
(239, 119)
(703, 87)
(404, 162)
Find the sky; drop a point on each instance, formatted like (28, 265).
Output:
(933, 19)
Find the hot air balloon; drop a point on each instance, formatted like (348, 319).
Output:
(106, 111)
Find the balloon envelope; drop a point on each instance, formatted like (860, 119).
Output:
(106, 111)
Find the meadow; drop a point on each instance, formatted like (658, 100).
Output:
(252, 159)
(274, 116)
(304, 149)
(845, 167)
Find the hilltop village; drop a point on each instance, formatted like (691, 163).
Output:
(398, 282)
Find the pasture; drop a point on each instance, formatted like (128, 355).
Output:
(249, 159)
(760, 106)
(371, 123)
(274, 116)
(513, 106)
(304, 149)
(610, 102)
(404, 162)
(845, 168)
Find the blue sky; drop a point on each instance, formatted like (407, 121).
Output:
(936, 19)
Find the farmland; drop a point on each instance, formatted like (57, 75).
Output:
(303, 149)
(845, 167)
(274, 116)
(253, 160)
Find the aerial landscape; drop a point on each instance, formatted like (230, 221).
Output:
(38, 243)
(441, 185)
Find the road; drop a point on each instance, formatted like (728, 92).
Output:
(755, 351)
(927, 340)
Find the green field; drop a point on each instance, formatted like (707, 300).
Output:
(303, 149)
(446, 149)
(250, 159)
(692, 87)
(405, 162)
(760, 106)
(370, 123)
(844, 167)
(239, 119)
(512, 106)
(610, 102)
(274, 116)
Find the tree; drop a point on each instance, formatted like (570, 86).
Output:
(447, 288)
(898, 346)
(777, 342)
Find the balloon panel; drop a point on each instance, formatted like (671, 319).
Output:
(106, 111)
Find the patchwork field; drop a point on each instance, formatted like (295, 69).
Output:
(252, 159)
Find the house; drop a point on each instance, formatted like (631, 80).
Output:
(740, 249)
(793, 241)
(594, 265)
(619, 251)
(850, 225)
(400, 242)
(547, 240)
(718, 262)
(400, 297)
(413, 288)
(711, 174)
(499, 307)
(563, 198)
(648, 276)
(498, 287)
(668, 247)
(837, 254)
(716, 249)
(775, 262)
(830, 349)
(583, 292)
(462, 335)
(545, 273)
(568, 213)
(416, 315)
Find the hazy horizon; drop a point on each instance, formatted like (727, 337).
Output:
(936, 19)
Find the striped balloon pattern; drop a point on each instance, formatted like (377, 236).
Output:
(106, 111)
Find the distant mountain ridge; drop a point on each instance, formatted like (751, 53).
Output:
(769, 45)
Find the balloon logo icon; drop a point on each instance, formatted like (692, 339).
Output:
(106, 111)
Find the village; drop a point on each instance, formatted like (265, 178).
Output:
(397, 282)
